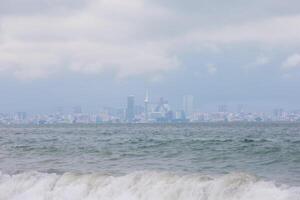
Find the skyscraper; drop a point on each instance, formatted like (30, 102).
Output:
(146, 101)
(21, 115)
(222, 108)
(130, 109)
(188, 105)
(240, 108)
(77, 110)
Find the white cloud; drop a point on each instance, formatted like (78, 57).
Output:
(103, 36)
(211, 69)
(262, 60)
(273, 31)
(258, 62)
(292, 62)
(126, 37)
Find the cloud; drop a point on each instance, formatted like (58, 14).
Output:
(128, 38)
(263, 32)
(292, 62)
(260, 61)
(211, 69)
(103, 36)
(33, 7)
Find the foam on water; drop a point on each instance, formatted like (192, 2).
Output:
(141, 185)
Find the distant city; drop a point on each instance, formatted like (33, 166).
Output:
(158, 111)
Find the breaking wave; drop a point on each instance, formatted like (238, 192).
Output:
(141, 185)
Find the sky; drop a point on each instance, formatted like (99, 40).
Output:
(94, 53)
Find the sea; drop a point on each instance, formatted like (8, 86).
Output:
(203, 161)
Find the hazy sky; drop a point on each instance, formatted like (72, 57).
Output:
(96, 52)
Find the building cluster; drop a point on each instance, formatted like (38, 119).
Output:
(158, 111)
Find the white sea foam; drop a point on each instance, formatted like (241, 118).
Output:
(140, 185)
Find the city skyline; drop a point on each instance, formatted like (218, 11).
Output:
(177, 103)
(185, 102)
(151, 110)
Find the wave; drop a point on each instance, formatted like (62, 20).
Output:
(141, 186)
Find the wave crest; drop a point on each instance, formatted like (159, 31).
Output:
(140, 186)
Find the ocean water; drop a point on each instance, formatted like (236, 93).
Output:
(212, 161)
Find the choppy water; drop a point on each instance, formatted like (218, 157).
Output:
(184, 161)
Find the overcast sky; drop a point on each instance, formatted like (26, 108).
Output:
(63, 53)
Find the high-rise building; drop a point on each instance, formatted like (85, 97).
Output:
(222, 108)
(146, 102)
(21, 115)
(130, 109)
(240, 108)
(77, 110)
(278, 113)
(188, 105)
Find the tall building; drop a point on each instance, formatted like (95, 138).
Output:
(240, 108)
(222, 108)
(21, 115)
(188, 105)
(77, 110)
(278, 113)
(130, 109)
(161, 111)
(146, 102)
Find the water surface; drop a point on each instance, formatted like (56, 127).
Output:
(268, 152)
